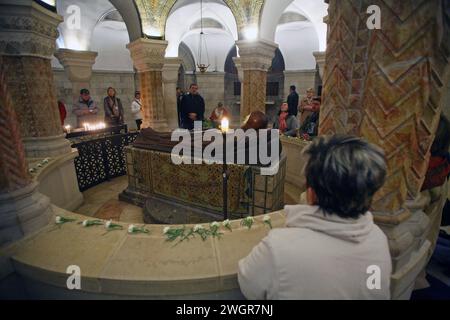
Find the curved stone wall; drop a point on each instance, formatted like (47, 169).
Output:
(117, 264)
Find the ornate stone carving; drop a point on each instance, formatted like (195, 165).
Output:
(148, 55)
(154, 15)
(77, 64)
(13, 168)
(387, 85)
(255, 59)
(246, 12)
(256, 55)
(27, 29)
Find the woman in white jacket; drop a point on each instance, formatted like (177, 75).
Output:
(330, 248)
(136, 109)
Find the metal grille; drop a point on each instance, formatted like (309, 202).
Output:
(101, 159)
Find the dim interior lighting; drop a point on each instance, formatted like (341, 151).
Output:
(94, 127)
(251, 33)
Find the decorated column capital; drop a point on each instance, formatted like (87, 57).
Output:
(256, 55)
(170, 70)
(320, 60)
(27, 29)
(77, 64)
(148, 54)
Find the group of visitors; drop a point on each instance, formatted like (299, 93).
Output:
(191, 108)
(86, 109)
(290, 123)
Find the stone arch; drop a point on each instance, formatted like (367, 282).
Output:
(314, 10)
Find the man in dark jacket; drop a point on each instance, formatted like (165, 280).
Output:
(192, 108)
(292, 102)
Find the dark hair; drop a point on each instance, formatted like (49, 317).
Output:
(136, 93)
(293, 88)
(193, 84)
(345, 172)
(441, 142)
(84, 91)
(107, 91)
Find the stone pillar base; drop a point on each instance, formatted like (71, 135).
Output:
(46, 146)
(22, 212)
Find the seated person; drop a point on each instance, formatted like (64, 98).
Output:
(310, 127)
(328, 246)
(218, 114)
(285, 122)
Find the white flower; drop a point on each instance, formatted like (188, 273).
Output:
(226, 222)
(108, 224)
(166, 230)
(45, 160)
(85, 223)
(249, 219)
(58, 220)
(266, 219)
(131, 228)
(215, 224)
(198, 227)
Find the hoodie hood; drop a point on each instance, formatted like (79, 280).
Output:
(314, 218)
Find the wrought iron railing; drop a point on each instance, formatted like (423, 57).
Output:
(101, 159)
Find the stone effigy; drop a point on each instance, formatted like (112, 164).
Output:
(195, 191)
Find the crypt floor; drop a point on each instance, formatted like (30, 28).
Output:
(102, 202)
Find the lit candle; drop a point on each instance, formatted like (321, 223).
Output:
(67, 128)
(86, 126)
(225, 125)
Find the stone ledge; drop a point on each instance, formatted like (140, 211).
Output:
(126, 265)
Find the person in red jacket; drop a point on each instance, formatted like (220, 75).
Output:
(439, 165)
(62, 111)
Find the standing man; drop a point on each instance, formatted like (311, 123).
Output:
(180, 95)
(85, 109)
(136, 109)
(292, 102)
(192, 108)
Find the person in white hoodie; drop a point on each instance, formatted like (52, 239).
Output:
(330, 248)
(136, 109)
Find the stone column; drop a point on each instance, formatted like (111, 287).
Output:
(170, 79)
(78, 68)
(255, 58)
(28, 33)
(320, 60)
(148, 58)
(22, 209)
(211, 86)
(387, 86)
